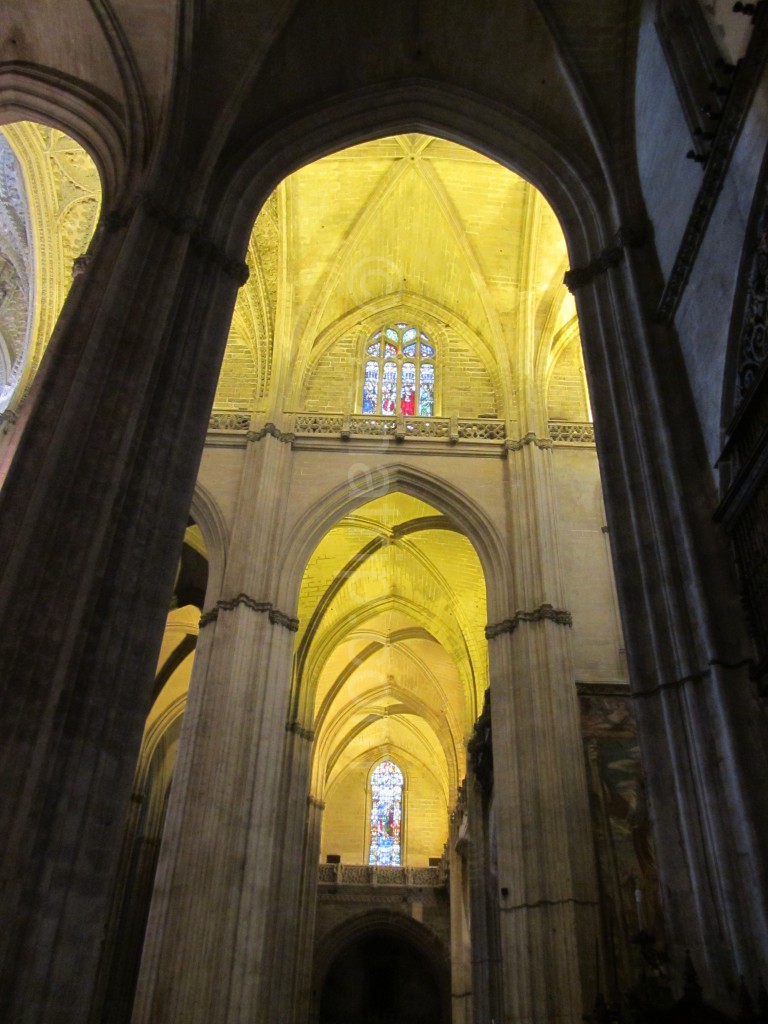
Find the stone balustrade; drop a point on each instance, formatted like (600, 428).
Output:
(364, 874)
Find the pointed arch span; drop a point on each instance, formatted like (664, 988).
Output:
(32, 93)
(369, 651)
(390, 925)
(209, 517)
(304, 685)
(581, 198)
(355, 563)
(375, 482)
(338, 739)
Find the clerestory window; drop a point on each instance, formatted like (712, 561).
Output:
(386, 814)
(399, 373)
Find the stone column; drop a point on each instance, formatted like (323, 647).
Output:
(487, 968)
(92, 515)
(307, 912)
(295, 883)
(461, 939)
(234, 826)
(546, 873)
(702, 730)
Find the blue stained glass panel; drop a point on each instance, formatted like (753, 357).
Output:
(370, 387)
(399, 373)
(389, 389)
(427, 389)
(386, 814)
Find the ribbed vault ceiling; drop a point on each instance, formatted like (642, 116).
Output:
(391, 651)
(396, 223)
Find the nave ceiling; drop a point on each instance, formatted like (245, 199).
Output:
(409, 227)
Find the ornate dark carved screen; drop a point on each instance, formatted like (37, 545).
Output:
(744, 509)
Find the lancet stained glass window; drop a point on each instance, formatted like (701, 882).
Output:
(399, 373)
(386, 814)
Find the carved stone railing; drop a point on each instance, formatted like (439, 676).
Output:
(319, 424)
(482, 430)
(431, 428)
(562, 432)
(230, 421)
(363, 874)
(447, 430)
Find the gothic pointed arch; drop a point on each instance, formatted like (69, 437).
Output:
(393, 928)
(565, 179)
(367, 483)
(29, 93)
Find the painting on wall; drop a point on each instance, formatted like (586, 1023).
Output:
(627, 875)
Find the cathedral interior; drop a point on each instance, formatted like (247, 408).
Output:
(384, 512)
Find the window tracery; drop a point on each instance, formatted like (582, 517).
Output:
(386, 815)
(399, 374)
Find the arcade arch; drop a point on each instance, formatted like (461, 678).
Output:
(50, 205)
(382, 967)
(584, 140)
(364, 564)
(401, 672)
(391, 661)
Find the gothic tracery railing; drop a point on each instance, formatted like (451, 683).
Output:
(364, 874)
(449, 430)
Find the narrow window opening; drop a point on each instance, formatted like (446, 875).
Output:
(386, 815)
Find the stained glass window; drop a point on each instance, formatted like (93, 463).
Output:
(386, 814)
(427, 389)
(399, 373)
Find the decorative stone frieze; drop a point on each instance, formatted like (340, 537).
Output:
(611, 256)
(308, 423)
(401, 427)
(529, 438)
(482, 430)
(435, 428)
(375, 875)
(180, 224)
(238, 421)
(571, 433)
(304, 734)
(276, 617)
(540, 614)
(270, 430)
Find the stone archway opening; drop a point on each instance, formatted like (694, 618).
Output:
(391, 664)
(381, 653)
(381, 977)
(50, 202)
(391, 669)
